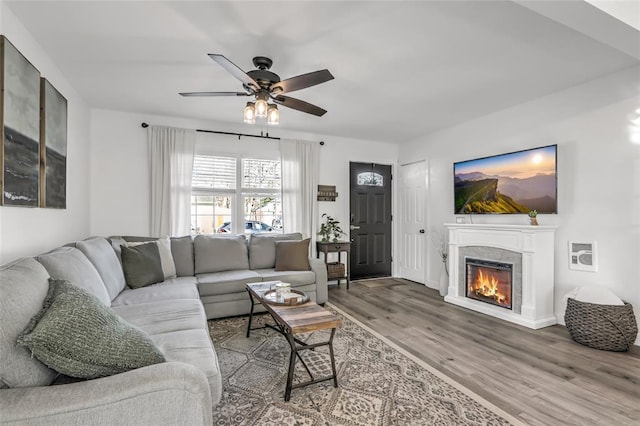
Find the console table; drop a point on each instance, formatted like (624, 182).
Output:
(336, 247)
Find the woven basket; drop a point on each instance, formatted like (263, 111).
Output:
(605, 327)
(335, 270)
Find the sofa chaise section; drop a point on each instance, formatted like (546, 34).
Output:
(169, 312)
(170, 393)
(165, 393)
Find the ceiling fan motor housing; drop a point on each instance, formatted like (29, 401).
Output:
(264, 78)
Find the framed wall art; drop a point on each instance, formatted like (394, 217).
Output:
(53, 147)
(20, 120)
(583, 256)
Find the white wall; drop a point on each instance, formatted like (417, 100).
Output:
(119, 168)
(29, 231)
(598, 175)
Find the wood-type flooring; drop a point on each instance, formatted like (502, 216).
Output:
(541, 377)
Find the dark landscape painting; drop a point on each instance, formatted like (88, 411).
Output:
(53, 148)
(517, 182)
(20, 144)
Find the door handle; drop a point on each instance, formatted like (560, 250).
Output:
(352, 227)
(421, 231)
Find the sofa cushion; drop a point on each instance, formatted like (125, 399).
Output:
(295, 278)
(164, 316)
(101, 254)
(175, 288)
(142, 265)
(262, 248)
(77, 335)
(292, 255)
(225, 282)
(217, 253)
(68, 263)
(193, 347)
(182, 250)
(23, 287)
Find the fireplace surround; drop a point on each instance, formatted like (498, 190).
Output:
(527, 251)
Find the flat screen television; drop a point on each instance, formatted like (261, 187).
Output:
(512, 183)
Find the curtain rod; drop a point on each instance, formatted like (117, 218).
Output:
(261, 136)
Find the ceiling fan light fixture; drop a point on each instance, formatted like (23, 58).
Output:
(273, 115)
(261, 104)
(250, 113)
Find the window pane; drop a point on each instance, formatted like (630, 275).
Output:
(260, 174)
(370, 179)
(210, 172)
(263, 214)
(210, 214)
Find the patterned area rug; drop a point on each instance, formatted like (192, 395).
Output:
(379, 384)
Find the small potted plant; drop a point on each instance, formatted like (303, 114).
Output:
(330, 229)
(533, 215)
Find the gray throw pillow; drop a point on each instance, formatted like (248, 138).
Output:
(142, 265)
(76, 335)
(292, 255)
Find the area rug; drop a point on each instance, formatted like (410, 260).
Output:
(378, 382)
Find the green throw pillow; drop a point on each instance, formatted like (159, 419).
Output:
(76, 335)
(142, 265)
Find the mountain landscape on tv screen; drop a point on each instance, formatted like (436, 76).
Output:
(477, 192)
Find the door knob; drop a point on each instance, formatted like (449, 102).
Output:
(421, 231)
(352, 227)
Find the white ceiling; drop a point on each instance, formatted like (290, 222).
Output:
(402, 69)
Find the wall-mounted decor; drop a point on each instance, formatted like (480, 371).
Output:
(20, 119)
(511, 183)
(327, 193)
(53, 147)
(583, 256)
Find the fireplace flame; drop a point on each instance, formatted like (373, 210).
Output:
(488, 286)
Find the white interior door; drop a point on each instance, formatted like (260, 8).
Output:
(413, 219)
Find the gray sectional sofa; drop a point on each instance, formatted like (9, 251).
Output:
(211, 273)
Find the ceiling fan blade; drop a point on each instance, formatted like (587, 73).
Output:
(235, 71)
(215, 94)
(301, 82)
(299, 105)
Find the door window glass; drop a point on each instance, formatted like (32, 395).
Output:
(370, 179)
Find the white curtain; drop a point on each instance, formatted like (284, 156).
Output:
(300, 174)
(171, 153)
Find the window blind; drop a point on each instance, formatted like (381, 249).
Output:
(211, 172)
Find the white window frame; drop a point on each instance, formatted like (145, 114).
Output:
(239, 193)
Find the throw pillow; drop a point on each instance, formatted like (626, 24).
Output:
(141, 264)
(166, 257)
(292, 255)
(76, 335)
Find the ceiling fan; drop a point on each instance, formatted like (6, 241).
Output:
(266, 85)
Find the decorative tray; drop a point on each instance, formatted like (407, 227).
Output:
(295, 297)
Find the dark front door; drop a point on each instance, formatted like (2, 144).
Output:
(370, 220)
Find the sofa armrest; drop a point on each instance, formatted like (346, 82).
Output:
(160, 394)
(320, 269)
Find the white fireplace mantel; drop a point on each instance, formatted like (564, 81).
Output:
(536, 246)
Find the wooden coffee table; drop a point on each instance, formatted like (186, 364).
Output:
(292, 320)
